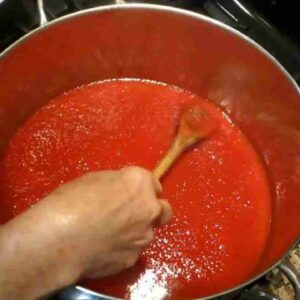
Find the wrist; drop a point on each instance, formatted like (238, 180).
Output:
(35, 256)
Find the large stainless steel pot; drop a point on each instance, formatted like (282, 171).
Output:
(176, 47)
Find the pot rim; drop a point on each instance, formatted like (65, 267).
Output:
(194, 15)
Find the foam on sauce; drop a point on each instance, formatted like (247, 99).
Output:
(218, 189)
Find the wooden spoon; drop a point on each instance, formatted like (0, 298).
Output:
(195, 124)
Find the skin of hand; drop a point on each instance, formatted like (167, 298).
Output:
(93, 226)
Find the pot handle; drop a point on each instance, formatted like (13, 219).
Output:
(290, 272)
(259, 293)
(41, 13)
(43, 20)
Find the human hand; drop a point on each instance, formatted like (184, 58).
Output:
(109, 217)
(93, 226)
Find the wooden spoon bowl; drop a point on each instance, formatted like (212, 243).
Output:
(195, 124)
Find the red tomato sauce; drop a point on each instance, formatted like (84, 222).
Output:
(218, 189)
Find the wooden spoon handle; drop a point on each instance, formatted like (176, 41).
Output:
(164, 165)
(180, 144)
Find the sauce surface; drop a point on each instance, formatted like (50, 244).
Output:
(218, 189)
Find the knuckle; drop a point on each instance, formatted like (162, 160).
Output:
(138, 172)
(134, 169)
(136, 178)
(131, 260)
(154, 211)
(149, 237)
(146, 239)
(92, 176)
(88, 176)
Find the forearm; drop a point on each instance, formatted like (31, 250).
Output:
(71, 235)
(32, 263)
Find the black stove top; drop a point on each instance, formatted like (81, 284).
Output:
(272, 23)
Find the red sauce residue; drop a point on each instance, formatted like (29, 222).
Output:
(196, 122)
(218, 189)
